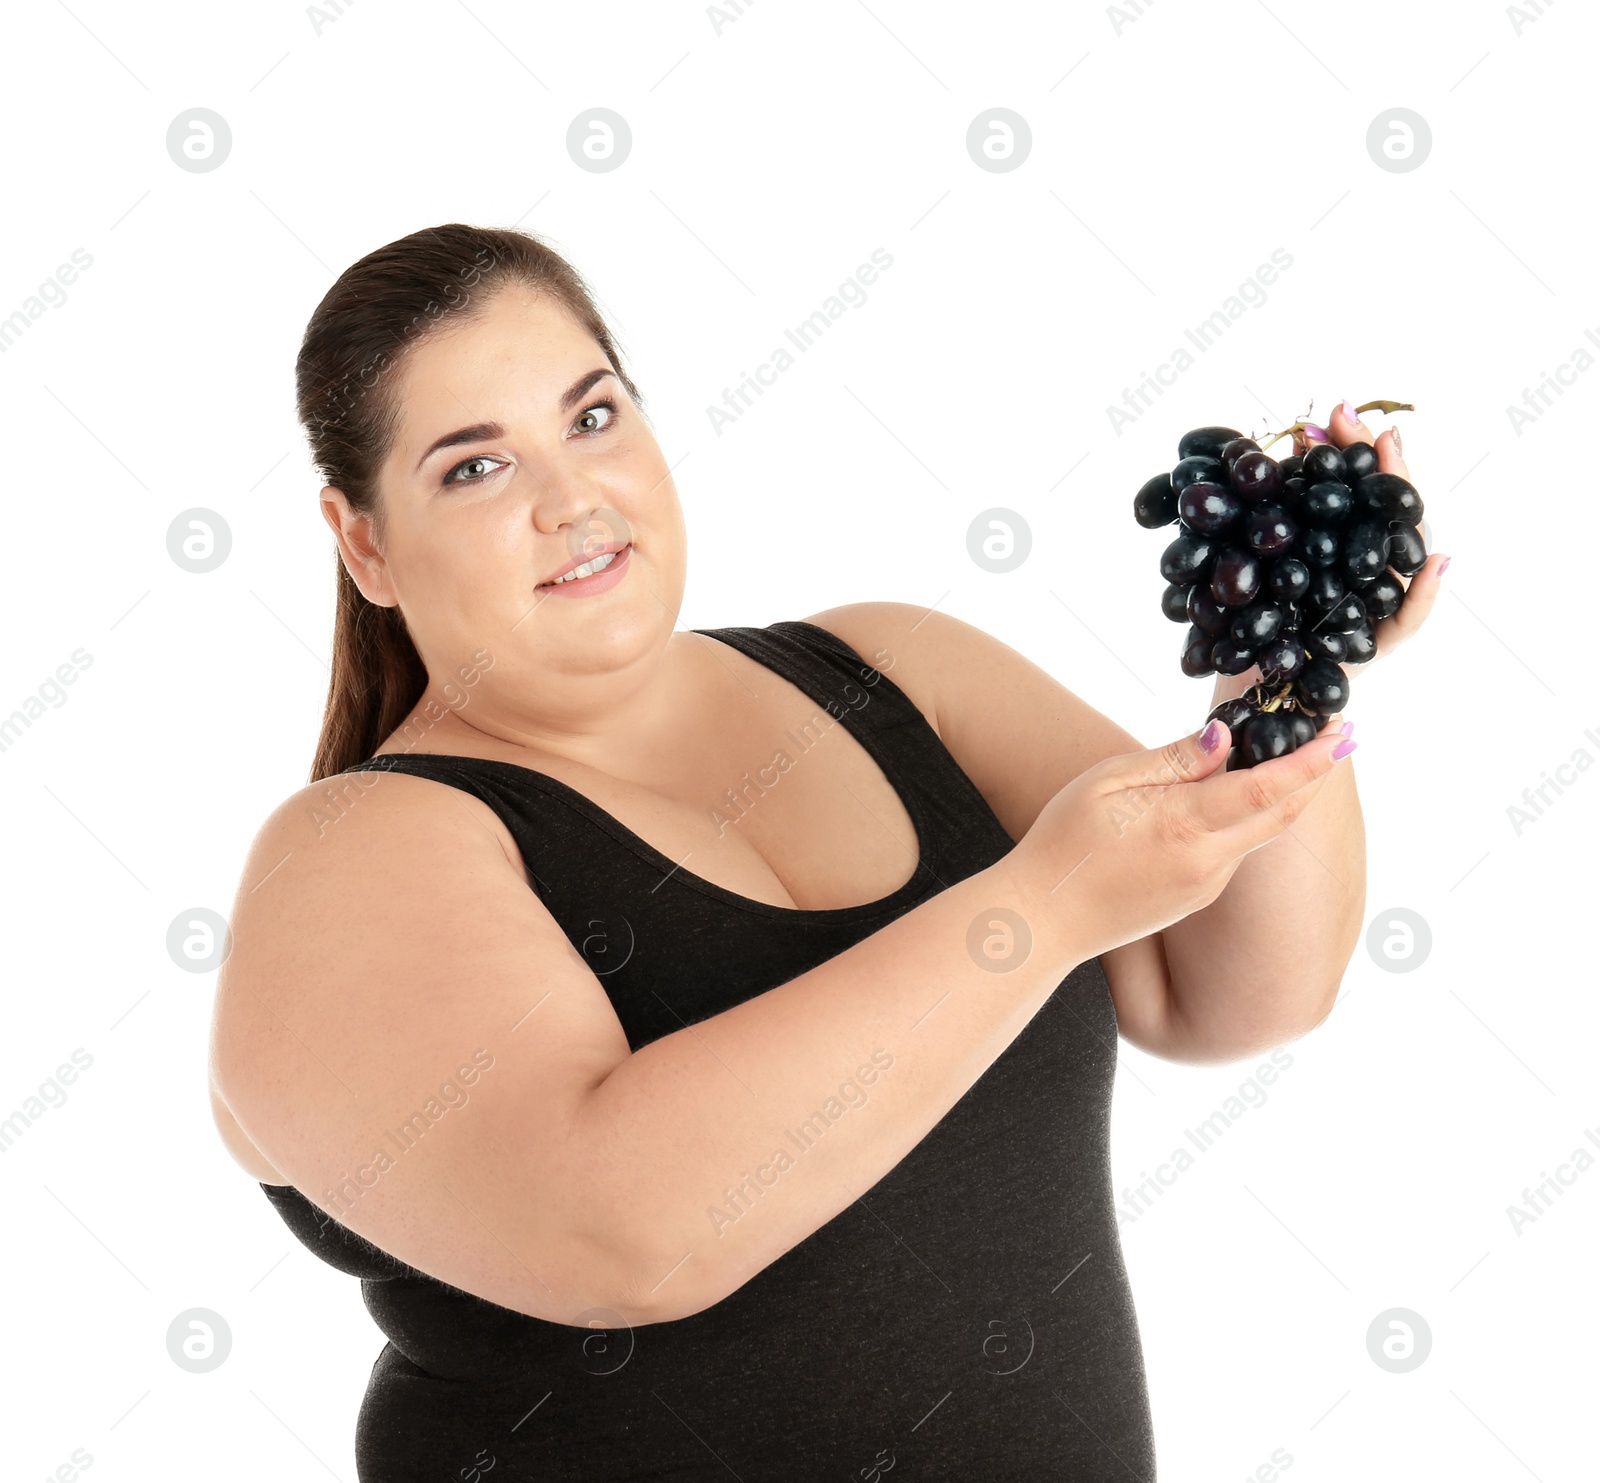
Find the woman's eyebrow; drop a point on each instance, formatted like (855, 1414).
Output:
(483, 431)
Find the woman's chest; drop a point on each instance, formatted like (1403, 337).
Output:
(777, 801)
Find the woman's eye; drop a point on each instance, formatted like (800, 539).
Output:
(468, 463)
(586, 419)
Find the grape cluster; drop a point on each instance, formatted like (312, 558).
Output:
(1286, 565)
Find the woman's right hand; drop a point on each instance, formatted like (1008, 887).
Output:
(1141, 840)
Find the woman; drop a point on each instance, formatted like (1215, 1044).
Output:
(697, 1084)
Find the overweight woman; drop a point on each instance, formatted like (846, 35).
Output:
(700, 1042)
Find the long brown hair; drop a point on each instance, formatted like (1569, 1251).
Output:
(345, 375)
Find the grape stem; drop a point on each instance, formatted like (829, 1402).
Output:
(1385, 407)
(1276, 700)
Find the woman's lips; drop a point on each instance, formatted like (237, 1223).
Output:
(596, 582)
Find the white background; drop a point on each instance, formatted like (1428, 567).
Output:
(1171, 153)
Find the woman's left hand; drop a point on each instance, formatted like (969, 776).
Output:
(1345, 428)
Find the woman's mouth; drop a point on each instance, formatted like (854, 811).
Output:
(597, 575)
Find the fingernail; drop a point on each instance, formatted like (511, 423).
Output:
(1347, 728)
(1394, 436)
(1344, 749)
(1442, 565)
(1211, 736)
(1350, 414)
(1314, 433)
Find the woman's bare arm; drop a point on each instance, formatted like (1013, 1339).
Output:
(382, 959)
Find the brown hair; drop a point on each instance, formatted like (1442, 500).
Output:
(345, 376)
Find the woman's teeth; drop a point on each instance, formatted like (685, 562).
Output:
(588, 569)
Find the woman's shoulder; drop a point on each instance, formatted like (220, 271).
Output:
(893, 638)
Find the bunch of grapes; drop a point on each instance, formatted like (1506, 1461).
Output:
(1286, 565)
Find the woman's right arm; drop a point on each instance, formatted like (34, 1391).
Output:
(383, 959)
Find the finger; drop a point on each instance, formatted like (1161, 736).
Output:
(1186, 760)
(1422, 590)
(1346, 427)
(1245, 806)
(1389, 459)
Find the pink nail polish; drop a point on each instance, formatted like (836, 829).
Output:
(1344, 749)
(1350, 414)
(1394, 437)
(1443, 564)
(1314, 434)
(1211, 736)
(1347, 728)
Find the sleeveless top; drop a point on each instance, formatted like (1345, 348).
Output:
(968, 1317)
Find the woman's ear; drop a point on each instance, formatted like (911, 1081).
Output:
(357, 548)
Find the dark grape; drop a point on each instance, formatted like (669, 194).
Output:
(1281, 660)
(1325, 593)
(1187, 558)
(1406, 551)
(1266, 736)
(1235, 760)
(1328, 502)
(1305, 729)
(1382, 596)
(1322, 687)
(1209, 508)
(1389, 497)
(1256, 624)
(1209, 441)
(1347, 614)
(1205, 612)
(1292, 465)
(1323, 461)
(1360, 459)
(1231, 451)
(1195, 658)
(1256, 476)
(1320, 721)
(1231, 658)
(1156, 503)
(1197, 470)
(1361, 642)
(1324, 643)
(1365, 550)
(1316, 546)
(1270, 530)
(1288, 579)
(1233, 714)
(1175, 602)
(1236, 577)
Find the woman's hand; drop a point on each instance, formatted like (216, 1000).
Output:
(1345, 428)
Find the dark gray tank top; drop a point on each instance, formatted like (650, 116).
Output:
(967, 1317)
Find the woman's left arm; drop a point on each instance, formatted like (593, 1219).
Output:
(1264, 961)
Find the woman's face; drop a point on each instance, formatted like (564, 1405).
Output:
(548, 462)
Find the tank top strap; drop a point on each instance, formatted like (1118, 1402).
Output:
(846, 683)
